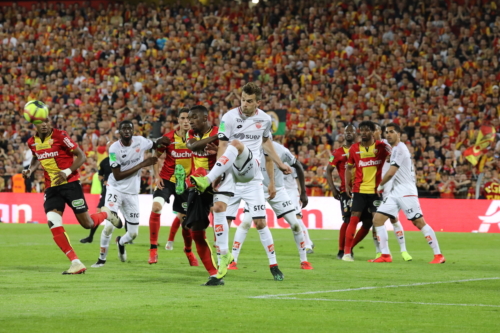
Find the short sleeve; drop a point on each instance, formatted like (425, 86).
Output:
(114, 156)
(397, 157)
(288, 157)
(146, 144)
(350, 159)
(267, 130)
(225, 128)
(67, 142)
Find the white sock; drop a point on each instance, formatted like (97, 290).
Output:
(383, 239)
(375, 241)
(431, 238)
(306, 233)
(76, 261)
(298, 235)
(400, 235)
(266, 238)
(221, 233)
(106, 233)
(132, 232)
(241, 234)
(223, 163)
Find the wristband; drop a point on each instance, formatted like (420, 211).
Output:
(67, 172)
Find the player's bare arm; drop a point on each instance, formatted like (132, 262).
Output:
(388, 176)
(302, 183)
(348, 177)
(120, 175)
(33, 166)
(329, 178)
(271, 189)
(161, 142)
(200, 145)
(269, 149)
(77, 163)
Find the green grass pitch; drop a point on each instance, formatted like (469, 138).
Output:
(462, 295)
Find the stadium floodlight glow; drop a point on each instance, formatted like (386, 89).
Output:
(255, 1)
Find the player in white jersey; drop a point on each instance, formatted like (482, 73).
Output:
(126, 158)
(278, 199)
(299, 199)
(397, 226)
(242, 133)
(403, 195)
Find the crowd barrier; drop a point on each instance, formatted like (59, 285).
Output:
(447, 215)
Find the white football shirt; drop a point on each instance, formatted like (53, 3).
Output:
(126, 158)
(249, 130)
(291, 180)
(404, 181)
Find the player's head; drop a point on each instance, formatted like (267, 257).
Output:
(377, 134)
(183, 119)
(198, 117)
(350, 133)
(44, 127)
(393, 133)
(250, 97)
(366, 129)
(126, 130)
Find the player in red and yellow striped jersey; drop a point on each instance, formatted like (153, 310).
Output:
(367, 158)
(54, 150)
(170, 181)
(203, 141)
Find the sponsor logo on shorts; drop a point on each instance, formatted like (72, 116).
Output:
(236, 245)
(77, 203)
(223, 160)
(185, 205)
(270, 248)
(219, 228)
(409, 211)
(259, 207)
(239, 126)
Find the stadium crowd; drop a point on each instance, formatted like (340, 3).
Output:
(430, 66)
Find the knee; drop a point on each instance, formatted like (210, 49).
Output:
(108, 229)
(238, 145)
(133, 234)
(219, 207)
(260, 223)
(379, 220)
(419, 223)
(157, 207)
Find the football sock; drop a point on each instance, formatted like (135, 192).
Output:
(240, 235)
(105, 239)
(266, 238)
(360, 235)
(349, 235)
(62, 240)
(221, 232)
(173, 229)
(383, 239)
(132, 232)
(98, 218)
(343, 230)
(298, 235)
(188, 239)
(154, 229)
(431, 238)
(375, 241)
(400, 235)
(223, 163)
(204, 251)
(307, 239)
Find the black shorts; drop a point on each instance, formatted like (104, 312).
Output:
(364, 201)
(198, 209)
(103, 196)
(57, 197)
(180, 201)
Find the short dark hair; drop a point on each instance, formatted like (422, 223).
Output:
(183, 110)
(396, 127)
(199, 109)
(367, 123)
(252, 89)
(126, 122)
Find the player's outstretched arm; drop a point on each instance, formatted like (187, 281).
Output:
(120, 175)
(329, 178)
(302, 183)
(200, 145)
(269, 149)
(270, 172)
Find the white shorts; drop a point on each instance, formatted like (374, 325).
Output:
(253, 195)
(248, 173)
(281, 203)
(294, 195)
(393, 204)
(128, 204)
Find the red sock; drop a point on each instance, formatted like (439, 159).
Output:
(98, 218)
(188, 239)
(173, 229)
(154, 228)
(62, 241)
(349, 235)
(343, 229)
(360, 235)
(204, 251)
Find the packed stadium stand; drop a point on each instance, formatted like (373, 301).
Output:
(430, 66)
